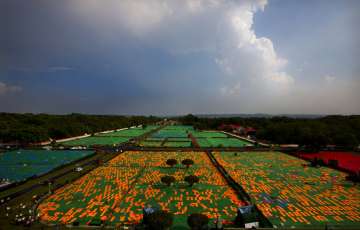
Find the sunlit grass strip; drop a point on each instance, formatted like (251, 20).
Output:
(222, 142)
(95, 140)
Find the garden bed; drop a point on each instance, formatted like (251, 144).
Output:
(292, 194)
(119, 191)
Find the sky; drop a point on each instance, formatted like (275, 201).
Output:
(174, 57)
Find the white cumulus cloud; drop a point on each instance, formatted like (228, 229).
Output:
(244, 55)
(329, 78)
(223, 29)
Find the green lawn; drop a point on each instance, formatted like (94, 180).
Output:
(222, 142)
(178, 139)
(175, 131)
(208, 134)
(151, 143)
(96, 140)
(112, 138)
(133, 132)
(165, 133)
(177, 144)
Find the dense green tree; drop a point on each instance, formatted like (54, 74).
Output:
(30, 128)
(191, 179)
(168, 180)
(160, 220)
(187, 162)
(171, 162)
(198, 221)
(313, 132)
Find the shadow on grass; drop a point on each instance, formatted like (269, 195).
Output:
(179, 227)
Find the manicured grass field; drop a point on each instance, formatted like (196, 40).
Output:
(96, 140)
(175, 131)
(110, 139)
(164, 133)
(289, 193)
(208, 134)
(151, 143)
(222, 142)
(155, 139)
(133, 132)
(20, 164)
(179, 127)
(177, 136)
(170, 142)
(177, 144)
(119, 191)
(204, 138)
(178, 139)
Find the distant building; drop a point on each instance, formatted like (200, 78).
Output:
(238, 129)
(250, 131)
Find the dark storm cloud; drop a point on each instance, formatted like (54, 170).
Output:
(177, 57)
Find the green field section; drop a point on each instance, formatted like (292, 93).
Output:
(164, 133)
(173, 136)
(20, 164)
(179, 127)
(154, 139)
(95, 140)
(292, 194)
(133, 132)
(178, 133)
(173, 131)
(178, 139)
(177, 144)
(111, 138)
(151, 143)
(222, 142)
(118, 191)
(208, 134)
(208, 139)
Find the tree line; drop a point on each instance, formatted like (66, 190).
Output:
(337, 130)
(31, 128)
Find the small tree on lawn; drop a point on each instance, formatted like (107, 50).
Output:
(187, 162)
(160, 220)
(168, 180)
(191, 179)
(171, 162)
(197, 221)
